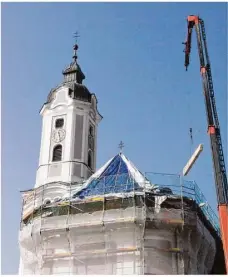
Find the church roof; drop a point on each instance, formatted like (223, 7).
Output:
(117, 176)
(76, 91)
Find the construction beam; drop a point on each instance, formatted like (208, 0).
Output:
(192, 160)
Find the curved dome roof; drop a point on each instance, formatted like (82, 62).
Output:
(76, 91)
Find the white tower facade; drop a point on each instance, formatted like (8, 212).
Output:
(69, 130)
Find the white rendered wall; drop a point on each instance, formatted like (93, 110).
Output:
(111, 242)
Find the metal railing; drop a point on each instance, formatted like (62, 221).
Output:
(169, 184)
(185, 188)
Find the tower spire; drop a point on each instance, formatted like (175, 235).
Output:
(76, 36)
(75, 53)
(73, 73)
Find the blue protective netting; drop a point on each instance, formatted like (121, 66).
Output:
(116, 178)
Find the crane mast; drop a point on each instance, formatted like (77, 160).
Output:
(213, 123)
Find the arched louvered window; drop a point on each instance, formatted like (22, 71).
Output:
(47, 201)
(57, 199)
(57, 153)
(90, 159)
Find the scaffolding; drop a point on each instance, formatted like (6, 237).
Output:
(159, 229)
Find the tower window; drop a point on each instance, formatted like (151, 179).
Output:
(57, 153)
(91, 130)
(47, 201)
(90, 162)
(70, 93)
(59, 123)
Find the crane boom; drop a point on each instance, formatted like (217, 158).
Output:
(213, 123)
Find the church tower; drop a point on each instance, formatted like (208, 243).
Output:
(69, 130)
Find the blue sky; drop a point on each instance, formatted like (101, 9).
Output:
(132, 56)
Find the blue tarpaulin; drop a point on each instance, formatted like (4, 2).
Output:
(117, 177)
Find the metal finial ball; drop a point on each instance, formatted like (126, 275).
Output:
(75, 47)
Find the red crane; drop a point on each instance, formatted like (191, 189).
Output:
(213, 124)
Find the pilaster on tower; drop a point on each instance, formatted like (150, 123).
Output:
(69, 130)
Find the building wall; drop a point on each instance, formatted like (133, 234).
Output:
(115, 242)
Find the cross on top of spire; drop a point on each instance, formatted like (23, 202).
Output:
(121, 146)
(76, 36)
